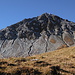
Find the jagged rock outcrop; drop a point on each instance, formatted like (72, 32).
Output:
(36, 35)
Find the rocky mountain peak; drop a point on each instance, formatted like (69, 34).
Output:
(40, 34)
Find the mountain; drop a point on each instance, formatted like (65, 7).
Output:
(58, 62)
(36, 35)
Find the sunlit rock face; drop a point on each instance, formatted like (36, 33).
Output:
(36, 35)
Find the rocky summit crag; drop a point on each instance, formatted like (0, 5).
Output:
(36, 35)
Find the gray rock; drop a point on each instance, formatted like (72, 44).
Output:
(36, 35)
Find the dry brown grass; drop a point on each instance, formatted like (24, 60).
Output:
(59, 62)
(52, 40)
(62, 46)
(69, 40)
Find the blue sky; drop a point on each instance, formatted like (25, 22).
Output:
(13, 11)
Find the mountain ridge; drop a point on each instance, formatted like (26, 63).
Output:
(36, 35)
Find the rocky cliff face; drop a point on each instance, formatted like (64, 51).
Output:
(36, 35)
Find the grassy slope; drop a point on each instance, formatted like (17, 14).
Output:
(59, 62)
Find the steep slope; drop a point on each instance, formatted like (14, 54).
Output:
(36, 35)
(58, 62)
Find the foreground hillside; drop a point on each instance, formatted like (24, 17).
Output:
(59, 62)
